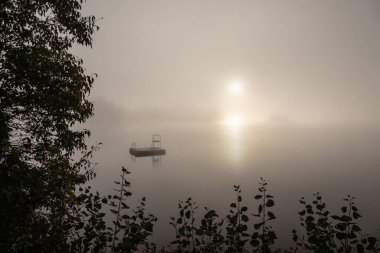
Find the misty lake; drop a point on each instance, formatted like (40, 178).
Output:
(205, 161)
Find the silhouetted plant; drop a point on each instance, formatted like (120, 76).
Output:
(118, 207)
(347, 229)
(236, 224)
(134, 228)
(130, 229)
(96, 233)
(348, 232)
(184, 226)
(210, 233)
(319, 229)
(371, 244)
(264, 236)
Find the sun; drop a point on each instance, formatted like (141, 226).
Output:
(233, 121)
(236, 88)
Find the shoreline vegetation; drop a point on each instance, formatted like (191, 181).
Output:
(243, 229)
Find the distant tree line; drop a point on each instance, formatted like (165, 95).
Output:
(46, 204)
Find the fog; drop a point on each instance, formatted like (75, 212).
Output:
(312, 62)
(239, 89)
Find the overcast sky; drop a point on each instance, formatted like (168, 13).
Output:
(297, 60)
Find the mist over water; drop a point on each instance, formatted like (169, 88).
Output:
(238, 90)
(204, 161)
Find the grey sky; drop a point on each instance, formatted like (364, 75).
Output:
(299, 61)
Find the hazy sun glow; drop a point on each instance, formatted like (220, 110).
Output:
(235, 88)
(233, 121)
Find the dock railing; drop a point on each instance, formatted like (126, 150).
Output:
(156, 141)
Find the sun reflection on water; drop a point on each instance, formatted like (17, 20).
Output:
(233, 135)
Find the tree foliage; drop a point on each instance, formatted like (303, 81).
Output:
(43, 93)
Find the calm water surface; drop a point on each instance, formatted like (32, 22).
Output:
(204, 162)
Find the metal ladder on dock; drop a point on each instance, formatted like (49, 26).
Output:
(156, 141)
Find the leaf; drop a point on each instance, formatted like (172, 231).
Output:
(187, 214)
(270, 203)
(356, 228)
(271, 215)
(302, 213)
(341, 226)
(125, 217)
(340, 236)
(260, 209)
(244, 218)
(258, 225)
(272, 235)
(356, 215)
(372, 240)
(254, 242)
(258, 196)
(360, 248)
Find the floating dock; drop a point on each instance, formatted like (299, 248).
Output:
(139, 152)
(154, 150)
